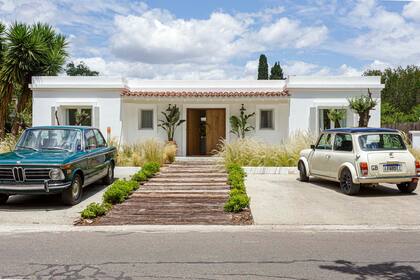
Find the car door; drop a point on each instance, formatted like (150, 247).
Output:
(91, 147)
(342, 152)
(322, 155)
(101, 158)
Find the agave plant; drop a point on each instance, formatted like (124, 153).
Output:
(239, 125)
(172, 119)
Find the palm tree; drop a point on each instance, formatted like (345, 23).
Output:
(35, 50)
(5, 91)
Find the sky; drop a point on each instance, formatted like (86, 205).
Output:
(215, 39)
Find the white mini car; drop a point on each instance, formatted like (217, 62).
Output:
(355, 156)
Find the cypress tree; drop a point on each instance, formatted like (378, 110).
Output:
(276, 72)
(263, 68)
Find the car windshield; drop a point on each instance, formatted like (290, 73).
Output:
(381, 141)
(50, 139)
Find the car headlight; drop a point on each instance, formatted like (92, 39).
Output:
(56, 174)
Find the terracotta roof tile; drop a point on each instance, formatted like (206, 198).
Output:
(198, 93)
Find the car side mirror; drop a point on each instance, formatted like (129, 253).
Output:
(313, 147)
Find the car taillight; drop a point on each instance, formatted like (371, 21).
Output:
(417, 166)
(364, 168)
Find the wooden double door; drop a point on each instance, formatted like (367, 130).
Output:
(205, 129)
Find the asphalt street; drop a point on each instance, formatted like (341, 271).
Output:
(210, 255)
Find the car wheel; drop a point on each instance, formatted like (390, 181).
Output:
(302, 172)
(73, 195)
(407, 187)
(3, 198)
(346, 183)
(109, 178)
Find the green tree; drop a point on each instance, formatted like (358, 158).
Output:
(362, 106)
(6, 91)
(401, 92)
(32, 50)
(336, 115)
(79, 70)
(262, 68)
(276, 72)
(239, 125)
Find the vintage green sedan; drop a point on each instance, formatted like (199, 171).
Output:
(56, 159)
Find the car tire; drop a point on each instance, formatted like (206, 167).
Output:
(109, 178)
(346, 183)
(73, 194)
(407, 187)
(3, 198)
(303, 175)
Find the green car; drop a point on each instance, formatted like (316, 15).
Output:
(56, 159)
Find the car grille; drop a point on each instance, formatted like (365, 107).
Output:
(6, 174)
(19, 174)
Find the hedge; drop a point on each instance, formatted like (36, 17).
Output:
(238, 199)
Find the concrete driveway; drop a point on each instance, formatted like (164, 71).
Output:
(48, 209)
(283, 200)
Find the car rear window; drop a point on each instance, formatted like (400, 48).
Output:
(381, 141)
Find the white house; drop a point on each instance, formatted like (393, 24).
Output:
(129, 110)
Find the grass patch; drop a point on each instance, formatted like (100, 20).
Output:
(253, 152)
(238, 199)
(8, 143)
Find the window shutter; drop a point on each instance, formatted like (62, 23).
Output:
(53, 119)
(95, 122)
(313, 119)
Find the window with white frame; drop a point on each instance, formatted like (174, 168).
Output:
(266, 119)
(146, 119)
(326, 122)
(78, 116)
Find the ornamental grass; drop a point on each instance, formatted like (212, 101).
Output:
(254, 152)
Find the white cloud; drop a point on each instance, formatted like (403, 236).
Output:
(412, 10)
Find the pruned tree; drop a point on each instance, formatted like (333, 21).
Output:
(239, 125)
(276, 72)
(362, 106)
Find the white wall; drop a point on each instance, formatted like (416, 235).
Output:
(302, 100)
(107, 101)
(132, 106)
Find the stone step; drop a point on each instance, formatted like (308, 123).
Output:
(196, 163)
(202, 195)
(187, 184)
(190, 175)
(185, 188)
(192, 170)
(182, 191)
(207, 180)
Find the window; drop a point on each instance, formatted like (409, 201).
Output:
(343, 142)
(79, 116)
(377, 142)
(324, 142)
(51, 139)
(99, 138)
(90, 140)
(326, 123)
(146, 119)
(266, 119)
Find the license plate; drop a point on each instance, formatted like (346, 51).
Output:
(392, 167)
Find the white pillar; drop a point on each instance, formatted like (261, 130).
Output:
(416, 139)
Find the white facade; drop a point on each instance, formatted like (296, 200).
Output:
(117, 105)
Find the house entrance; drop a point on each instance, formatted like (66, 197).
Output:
(205, 128)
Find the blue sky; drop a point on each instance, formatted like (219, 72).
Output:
(215, 39)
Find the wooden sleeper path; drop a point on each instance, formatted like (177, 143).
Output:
(185, 192)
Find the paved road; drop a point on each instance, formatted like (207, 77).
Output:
(283, 200)
(216, 255)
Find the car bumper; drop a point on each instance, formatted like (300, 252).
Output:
(389, 179)
(39, 188)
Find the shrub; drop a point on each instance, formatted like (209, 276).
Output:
(139, 177)
(152, 167)
(94, 210)
(139, 153)
(252, 152)
(169, 152)
(119, 191)
(8, 143)
(237, 202)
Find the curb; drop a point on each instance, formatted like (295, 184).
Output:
(16, 229)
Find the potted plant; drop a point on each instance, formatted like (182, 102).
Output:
(239, 125)
(172, 119)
